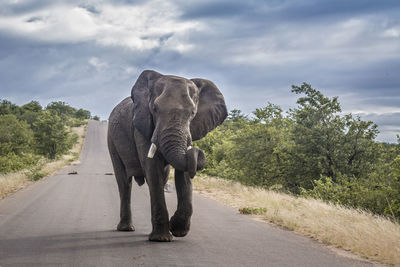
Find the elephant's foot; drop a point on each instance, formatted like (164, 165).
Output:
(125, 226)
(160, 237)
(160, 233)
(179, 225)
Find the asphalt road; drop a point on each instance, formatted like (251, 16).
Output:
(70, 220)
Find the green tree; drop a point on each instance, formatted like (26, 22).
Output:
(6, 107)
(82, 114)
(314, 150)
(96, 118)
(258, 154)
(251, 151)
(62, 109)
(396, 167)
(15, 144)
(269, 113)
(51, 136)
(358, 149)
(236, 115)
(15, 135)
(326, 143)
(32, 106)
(30, 112)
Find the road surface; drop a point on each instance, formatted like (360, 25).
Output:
(70, 220)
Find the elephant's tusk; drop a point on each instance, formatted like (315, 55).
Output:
(189, 147)
(152, 151)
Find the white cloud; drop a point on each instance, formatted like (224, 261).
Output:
(252, 53)
(356, 40)
(392, 32)
(57, 24)
(136, 27)
(98, 64)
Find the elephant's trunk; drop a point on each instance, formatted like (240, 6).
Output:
(173, 145)
(196, 160)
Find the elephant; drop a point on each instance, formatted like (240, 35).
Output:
(153, 129)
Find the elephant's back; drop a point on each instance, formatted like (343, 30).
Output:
(122, 112)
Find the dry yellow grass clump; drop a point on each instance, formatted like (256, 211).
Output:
(360, 232)
(12, 182)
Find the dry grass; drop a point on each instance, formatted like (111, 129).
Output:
(360, 232)
(12, 182)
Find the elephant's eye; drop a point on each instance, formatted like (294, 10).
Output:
(154, 108)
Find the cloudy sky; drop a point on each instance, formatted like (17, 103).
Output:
(90, 52)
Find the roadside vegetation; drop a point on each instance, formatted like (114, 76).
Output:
(36, 141)
(312, 150)
(311, 169)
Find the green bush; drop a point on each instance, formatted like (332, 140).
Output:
(396, 166)
(28, 133)
(251, 210)
(6, 107)
(375, 194)
(51, 137)
(82, 114)
(314, 150)
(15, 135)
(62, 109)
(12, 162)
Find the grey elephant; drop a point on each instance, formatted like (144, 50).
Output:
(153, 129)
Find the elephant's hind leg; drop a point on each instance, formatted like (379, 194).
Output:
(125, 188)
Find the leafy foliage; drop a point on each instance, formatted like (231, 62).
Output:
(82, 114)
(313, 150)
(29, 133)
(52, 138)
(15, 135)
(251, 210)
(6, 107)
(13, 162)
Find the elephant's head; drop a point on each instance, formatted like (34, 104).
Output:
(172, 112)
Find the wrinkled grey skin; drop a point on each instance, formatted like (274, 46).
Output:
(170, 112)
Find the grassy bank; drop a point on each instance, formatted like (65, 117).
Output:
(12, 182)
(360, 232)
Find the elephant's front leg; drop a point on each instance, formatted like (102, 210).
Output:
(159, 212)
(180, 222)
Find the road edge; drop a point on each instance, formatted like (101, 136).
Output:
(47, 169)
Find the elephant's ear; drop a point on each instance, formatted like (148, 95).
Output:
(142, 118)
(211, 110)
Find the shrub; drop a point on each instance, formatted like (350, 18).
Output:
(314, 150)
(51, 137)
(251, 210)
(15, 135)
(12, 162)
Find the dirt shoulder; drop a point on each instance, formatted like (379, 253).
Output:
(364, 234)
